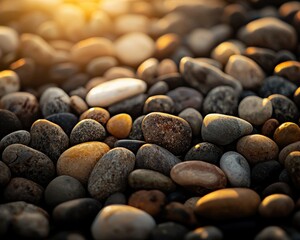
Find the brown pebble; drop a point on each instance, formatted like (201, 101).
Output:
(78, 105)
(269, 127)
(101, 115)
(286, 134)
(166, 44)
(119, 125)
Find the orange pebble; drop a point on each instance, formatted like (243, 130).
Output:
(119, 125)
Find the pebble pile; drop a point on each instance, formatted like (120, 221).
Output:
(149, 120)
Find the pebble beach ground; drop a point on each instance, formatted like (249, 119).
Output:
(149, 119)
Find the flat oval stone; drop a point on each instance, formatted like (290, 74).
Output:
(222, 129)
(292, 165)
(198, 176)
(230, 203)
(236, 169)
(287, 133)
(147, 71)
(257, 148)
(132, 145)
(168, 131)
(9, 82)
(278, 187)
(224, 51)
(98, 66)
(48, 138)
(29, 163)
(149, 179)
(21, 137)
(114, 91)
(255, 110)
(287, 150)
(154, 157)
(112, 223)
(5, 174)
(105, 179)
(79, 160)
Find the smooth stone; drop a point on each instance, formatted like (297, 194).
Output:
(230, 203)
(9, 123)
(167, 66)
(194, 119)
(154, 157)
(9, 82)
(185, 97)
(5, 174)
(292, 165)
(119, 72)
(179, 213)
(87, 130)
(191, 202)
(22, 189)
(78, 105)
(29, 163)
(257, 148)
(296, 97)
(272, 232)
(159, 88)
(159, 103)
(287, 150)
(114, 91)
(76, 213)
(204, 77)
(149, 179)
(147, 70)
(166, 45)
(206, 232)
(236, 169)
(79, 160)
(210, 61)
(66, 121)
(222, 99)
(285, 177)
(168, 131)
(265, 173)
(268, 32)
(222, 129)
(278, 187)
(20, 136)
(112, 223)
(48, 138)
(132, 145)
(198, 176)
(168, 230)
(62, 189)
(101, 115)
(141, 44)
(136, 132)
(119, 125)
(276, 206)
(131, 23)
(9, 40)
(246, 71)
(86, 50)
(284, 109)
(206, 152)
(286, 134)
(105, 180)
(173, 80)
(116, 198)
(255, 110)
(98, 66)
(269, 127)
(288, 70)
(224, 51)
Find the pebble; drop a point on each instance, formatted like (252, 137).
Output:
(255, 110)
(158, 88)
(108, 93)
(98, 114)
(9, 40)
(5, 174)
(98, 66)
(288, 70)
(62, 189)
(246, 71)
(276, 206)
(168, 131)
(278, 187)
(166, 45)
(185, 97)
(119, 72)
(147, 71)
(112, 223)
(76, 213)
(22, 189)
(296, 97)
(236, 169)
(66, 121)
(116, 198)
(224, 51)
(287, 150)
(268, 32)
(191, 202)
(9, 82)
(198, 176)
(150, 201)
(166, 66)
(257, 148)
(131, 23)
(206, 152)
(119, 125)
(25, 68)
(20, 136)
(222, 99)
(149, 179)
(48, 138)
(222, 129)
(179, 213)
(210, 61)
(159, 103)
(173, 80)
(286, 134)
(105, 180)
(292, 165)
(206, 232)
(132, 145)
(29, 163)
(194, 119)
(136, 132)
(154, 157)
(78, 105)
(269, 127)
(139, 43)
(230, 203)
(87, 130)
(9, 123)
(86, 50)
(168, 230)
(204, 77)
(272, 232)
(79, 160)
(284, 110)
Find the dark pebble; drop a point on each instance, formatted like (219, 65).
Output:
(9, 122)
(159, 103)
(158, 88)
(21, 136)
(168, 231)
(66, 121)
(278, 187)
(5, 174)
(132, 145)
(179, 213)
(136, 132)
(116, 198)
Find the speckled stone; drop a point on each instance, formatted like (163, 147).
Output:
(136, 132)
(132, 145)
(147, 70)
(269, 127)
(79, 160)
(207, 232)
(9, 122)
(272, 232)
(66, 121)
(21, 136)
(292, 165)
(287, 150)
(5, 174)
(287, 133)
(169, 230)
(9, 82)
(236, 169)
(224, 51)
(119, 125)
(289, 70)
(48, 138)
(230, 203)
(77, 104)
(222, 99)
(255, 110)
(154, 157)
(159, 103)
(112, 223)
(149, 179)
(105, 180)
(98, 114)
(194, 119)
(29, 163)
(257, 148)
(168, 131)
(222, 129)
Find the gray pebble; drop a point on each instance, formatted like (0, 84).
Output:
(21, 136)
(136, 132)
(158, 88)
(194, 118)
(159, 103)
(5, 174)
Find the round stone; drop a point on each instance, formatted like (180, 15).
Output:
(159, 103)
(66, 121)
(194, 118)
(166, 44)
(5, 174)
(278, 187)
(287, 150)
(269, 127)
(98, 66)
(136, 132)
(288, 70)
(207, 232)
(119, 125)
(21, 137)
(9, 123)
(166, 66)
(292, 165)
(178, 212)
(287, 133)
(132, 145)
(272, 232)
(9, 40)
(159, 88)
(79, 160)
(9, 82)
(77, 104)
(98, 114)
(147, 71)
